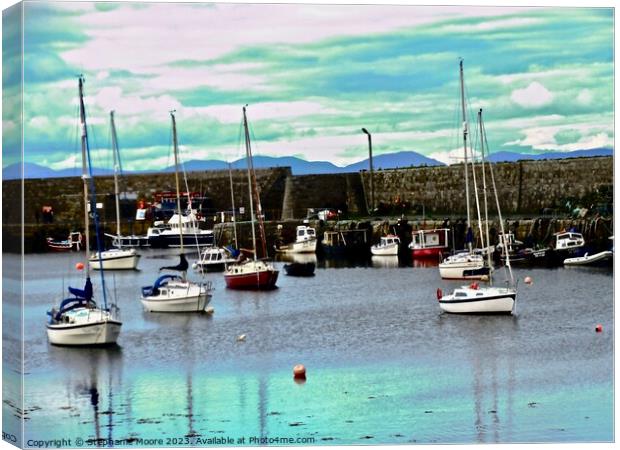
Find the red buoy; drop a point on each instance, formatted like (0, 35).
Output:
(439, 294)
(299, 372)
(599, 328)
(79, 266)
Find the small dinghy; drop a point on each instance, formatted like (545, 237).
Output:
(296, 269)
(601, 259)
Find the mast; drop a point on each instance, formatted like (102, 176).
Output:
(176, 176)
(499, 212)
(116, 157)
(232, 200)
(86, 177)
(253, 190)
(248, 156)
(465, 131)
(484, 188)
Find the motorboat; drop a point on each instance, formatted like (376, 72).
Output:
(215, 259)
(388, 246)
(600, 259)
(429, 243)
(73, 242)
(305, 241)
(179, 227)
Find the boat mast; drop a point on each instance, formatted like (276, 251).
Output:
(176, 177)
(465, 131)
(484, 189)
(116, 157)
(253, 189)
(499, 211)
(86, 177)
(232, 200)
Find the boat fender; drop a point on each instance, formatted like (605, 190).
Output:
(439, 294)
(474, 286)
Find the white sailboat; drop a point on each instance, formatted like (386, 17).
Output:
(484, 299)
(252, 273)
(115, 258)
(78, 319)
(465, 264)
(175, 293)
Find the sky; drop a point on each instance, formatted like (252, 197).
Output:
(312, 77)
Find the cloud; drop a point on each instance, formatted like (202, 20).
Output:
(584, 97)
(533, 96)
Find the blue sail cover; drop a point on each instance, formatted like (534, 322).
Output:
(147, 291)
(86, 293)
(233, 251)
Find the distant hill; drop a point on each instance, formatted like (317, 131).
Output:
(513, 156)
(300, 166)
(393, 161)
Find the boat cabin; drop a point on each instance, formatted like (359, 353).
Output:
(431, 238)
(305, 233)
(390, 239)
(568, 240)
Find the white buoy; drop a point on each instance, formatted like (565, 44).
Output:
(210, 310)
(528, 280)
(241, 338)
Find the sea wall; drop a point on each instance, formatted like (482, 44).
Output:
(549, 188)
(524, 187)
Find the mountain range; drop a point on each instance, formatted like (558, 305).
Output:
(300, 166)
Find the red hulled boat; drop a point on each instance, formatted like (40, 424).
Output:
(429, 243)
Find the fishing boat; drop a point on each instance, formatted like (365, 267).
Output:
(252, 273)
(79, 320)
(484, 299)
(215, 259)
(181, 230)
(470, 265)
(429, 243)
(175, 293)
(115, 258)
(387, 246)
(73, 242)
(305, 241)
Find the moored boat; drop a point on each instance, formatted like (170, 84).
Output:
(600, 259)
(255, 274)
(73, 242)
(79, 321)
(429, 243)
(215, 259)
(296, 269)
(388, 246)
(305, 241)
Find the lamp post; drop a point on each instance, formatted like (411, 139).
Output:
(372, 186)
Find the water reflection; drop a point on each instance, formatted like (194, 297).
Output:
(301, 258)
(385, 262)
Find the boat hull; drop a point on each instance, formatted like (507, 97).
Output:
(502, 304)
(424, 253)
(385, 250)
(300, 269)
(103, 332)
(308, 246)
(261, 280)
(601, 259)
(463, 271)
(115, 260)
(194, 303)
(174, 240)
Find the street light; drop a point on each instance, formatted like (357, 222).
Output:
(372, 187)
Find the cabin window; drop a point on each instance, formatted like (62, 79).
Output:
(300, 233)
(164, 291)
(460, 294)
(310, 232)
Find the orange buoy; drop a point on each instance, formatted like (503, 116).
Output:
(79, 266)
(528, 280)
(599, 328)
(299, 372)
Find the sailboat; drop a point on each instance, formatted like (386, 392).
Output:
(484, 299)
(464, 264)
(115, 258)
(78, 319)
(175, 293)
(252, 273)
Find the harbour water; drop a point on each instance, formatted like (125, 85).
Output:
(383, 364)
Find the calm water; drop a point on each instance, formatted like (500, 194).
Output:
(384, 365)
